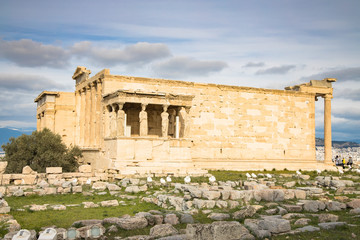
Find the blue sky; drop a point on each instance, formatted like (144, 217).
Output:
(266, 44)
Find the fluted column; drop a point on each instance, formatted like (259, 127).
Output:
(143, 118)
(82, 117)
(98, 123)
(87, 116)
(92, 113)
(78, 116)
(107, 111)
(327, 129)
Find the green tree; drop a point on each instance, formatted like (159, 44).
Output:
(40, 150)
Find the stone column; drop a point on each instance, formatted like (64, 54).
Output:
(187, 122)
(120, 120)
(87, 116)
(165, 121)
(98, 113)
(82, 117)
(327, 129)
(143, 119)
(77, 114)
(177, 124)
(92, 114)
(107, 111)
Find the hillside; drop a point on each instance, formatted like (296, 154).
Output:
(319, 142)
(6, 133)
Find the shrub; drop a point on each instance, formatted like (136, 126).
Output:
(40, 150)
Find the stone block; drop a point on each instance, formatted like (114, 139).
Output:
(52, 170)
(85, 168)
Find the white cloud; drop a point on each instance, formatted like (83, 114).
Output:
(276, 70)
(254, 64)
(27, 82)
(139, 53)
(28, 53)
(182, 67)
(342, 74)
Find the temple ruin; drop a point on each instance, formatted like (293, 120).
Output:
(145, 125)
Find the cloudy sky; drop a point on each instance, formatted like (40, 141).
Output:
(266, 44)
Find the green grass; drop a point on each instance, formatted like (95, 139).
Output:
(36, 220)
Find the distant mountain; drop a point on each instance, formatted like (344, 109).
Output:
(319, 142)
(8, 132)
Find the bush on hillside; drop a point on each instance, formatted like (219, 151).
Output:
(40, 150)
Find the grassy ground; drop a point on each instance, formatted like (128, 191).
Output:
(36, 220)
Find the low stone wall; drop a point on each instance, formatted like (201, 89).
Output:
(85, 174)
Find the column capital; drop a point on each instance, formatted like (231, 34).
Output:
(143, 106)
(92, 84)
(328, 96)
(165, 107)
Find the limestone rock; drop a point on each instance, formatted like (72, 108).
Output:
(293, 208)
(219, 216)
(131, 223)
(52, 170)
(218, 231)
(186, 218)
(308, 229)
(109, 203)
(327, 218)
(171, 219)
(90, 205)
(355, 211)
(113, 187)
(233, 204)
(18, 193)
(275, 225)
(247, 211)
(36, 208)
(289, 184)
(76, 189)
(252, 224)
(28, 170)
(331, 225)
(111, 220)
(87, 222)
(85, 168)
(58, 207)
(132, 189)
(101, 186)
(335, 206)
(163, 230)
(211, 195)
(313, 205)
(302, 221)
(355, 203)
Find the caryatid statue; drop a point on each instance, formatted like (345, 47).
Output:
(165, 121)
(120, 120)
(143, 119)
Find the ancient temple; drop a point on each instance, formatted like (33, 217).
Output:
(151, 125)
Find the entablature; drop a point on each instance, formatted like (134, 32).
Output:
(159, 98)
